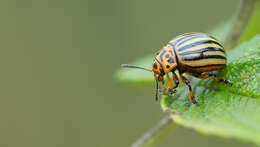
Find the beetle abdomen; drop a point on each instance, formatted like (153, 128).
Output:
(199, 52)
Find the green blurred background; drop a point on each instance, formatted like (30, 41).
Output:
(58, 59)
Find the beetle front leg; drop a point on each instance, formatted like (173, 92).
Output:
(211, 74)
(187, 82)
(163, 86)
(171, 89)
(175, 78)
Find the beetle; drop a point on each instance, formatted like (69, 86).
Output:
(196, 54)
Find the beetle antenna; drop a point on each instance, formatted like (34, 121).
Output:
(134, 66)
(156, 90)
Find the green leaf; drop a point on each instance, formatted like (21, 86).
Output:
(224, 110)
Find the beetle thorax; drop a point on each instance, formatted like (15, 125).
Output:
(166, 58)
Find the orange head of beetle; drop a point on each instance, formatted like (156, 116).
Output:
(159, 69)
(165, 62)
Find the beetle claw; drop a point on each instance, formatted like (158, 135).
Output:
(173, 91)
(194, 102)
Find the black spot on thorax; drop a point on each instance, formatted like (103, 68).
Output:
(170, 60)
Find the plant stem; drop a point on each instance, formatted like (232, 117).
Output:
(244, 12)
(161, 129)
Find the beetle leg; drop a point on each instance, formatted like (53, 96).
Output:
(187, 82)
(176, 80)
(211, 74)
(170, 85)
(163, 86)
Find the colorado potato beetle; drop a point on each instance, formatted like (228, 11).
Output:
(197, 54)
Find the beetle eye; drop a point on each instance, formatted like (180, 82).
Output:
(155, 65)
(161, 70)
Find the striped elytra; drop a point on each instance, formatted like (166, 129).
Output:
(197, 54)
(192, 53)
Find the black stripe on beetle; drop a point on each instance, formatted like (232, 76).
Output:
(203, 66)
(200, 42)
(192, 37)
(201, 56)
(202, 50)
(182, 37)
